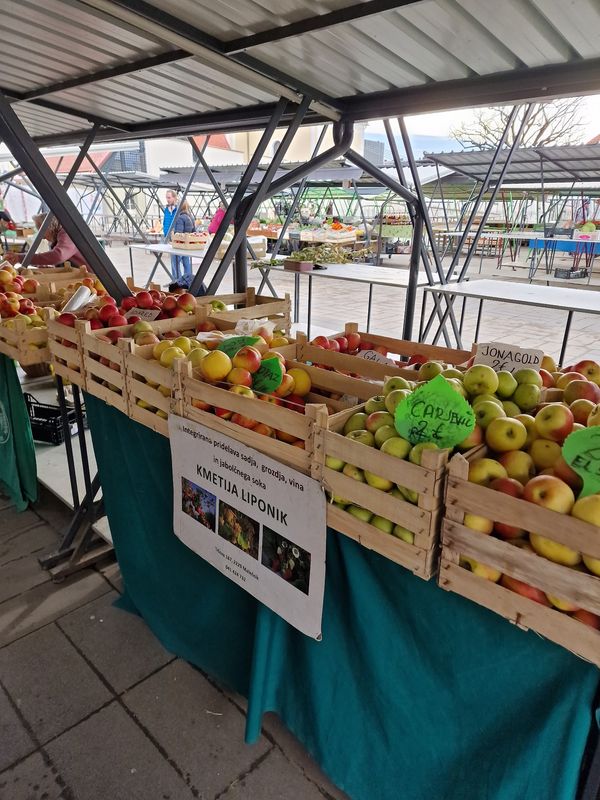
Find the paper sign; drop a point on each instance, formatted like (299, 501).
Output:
(507, 357)
(268, 376)
(434, 413)
(234, 343)
(147, 314)
(581, 451)
(373, 355)
(259, 522)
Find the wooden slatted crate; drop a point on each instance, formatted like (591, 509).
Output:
(254, 306)
(423, 519)
(580, 588)
(66, 351)
(24, 343)
(58, 276)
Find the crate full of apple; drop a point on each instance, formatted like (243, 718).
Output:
(521, 533)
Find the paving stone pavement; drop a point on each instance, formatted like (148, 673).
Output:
(92, 707)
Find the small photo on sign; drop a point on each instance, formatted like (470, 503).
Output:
(286, 559)
(239, 529)
(198, 504)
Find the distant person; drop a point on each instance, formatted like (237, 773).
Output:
(62, 247)
(169, 212)
(184, 223)
(217, 219)
(6, 223)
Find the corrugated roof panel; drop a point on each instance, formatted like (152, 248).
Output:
(41, 121)
(577, 20)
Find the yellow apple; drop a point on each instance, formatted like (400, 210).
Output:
(484, 470)
(477, 523)
(482, 570)
(554, 551)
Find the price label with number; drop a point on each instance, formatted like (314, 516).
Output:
(232, 344)
(147, 314)
(581, 451)
(507, 357)
(435, 413)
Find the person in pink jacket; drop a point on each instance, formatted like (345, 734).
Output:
(62, 247)
(216, 221)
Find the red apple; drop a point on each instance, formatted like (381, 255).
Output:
(518, 465)
(133, 319)
(186, 301)
(295, 402)
(245, 422)
(353, 340)
(565, 379)
(286, 387)
(95, 324)
(67, 319)
(265, 333)
(107, 300)
(590, 369)
(30, 286)
(563, 471)
(239, 377)
(127, 303)
(512, 487)
(178, 312)
(205, 326)
(593, 620)
(342, 343)
(117, 320)
(114, 336)
(144, 300)
(550, 492)
(581, 409)
(247, 358)
(547, 379)
(321, 341)
(169, 304)
(554, 422)
(581, 390)
(524, 589)
(106, 312)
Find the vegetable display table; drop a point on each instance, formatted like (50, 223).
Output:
(413, 693)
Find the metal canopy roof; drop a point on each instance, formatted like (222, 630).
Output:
(140, 68)
(230, 174)
(579, 163)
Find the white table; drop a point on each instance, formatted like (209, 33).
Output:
(160, 249)
(583, 301)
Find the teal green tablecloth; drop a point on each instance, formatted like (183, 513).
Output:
(413, 694)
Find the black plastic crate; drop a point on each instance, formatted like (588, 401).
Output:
(46, 421)
(570, 273)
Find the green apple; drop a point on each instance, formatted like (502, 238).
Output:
(339, 501)
(354, 472)
(527, 395)
(360, 513)
(356, 422)
(377, 420)
(403, 533)
(528, 376)
(429, 370)
(452, 372)
(480, 379)
(342, 506)
(383, 434)
(395, 382)
(416, 452)
(334, 463)
(457, 385)
(487, 411)
(364, 437)
(394, 398)
(507, 383)
(480, 398)
(385, 525)
(410, 495)
(396, 446)
(377, 482)
(375, 404)
(511, 409)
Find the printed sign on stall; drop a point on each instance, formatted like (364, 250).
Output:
(259, 522)
(507, 357)
(147, 314)
(378, 358)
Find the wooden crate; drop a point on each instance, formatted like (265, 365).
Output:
(23, 343)
(149, 382)
(58, 276)
(66, 351)
(580, 588)
(422, 519)
(253, 306)
(133, 288)
(104, 367)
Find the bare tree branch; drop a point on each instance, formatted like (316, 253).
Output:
(557, 122)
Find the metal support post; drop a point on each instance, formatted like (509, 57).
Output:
(411, 290)
(67, 182)
(240, 269)
(362, 214)
(23, 148)
(115, 197)
(238, 195)
(247, 209)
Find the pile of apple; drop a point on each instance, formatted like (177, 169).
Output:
(526, 462)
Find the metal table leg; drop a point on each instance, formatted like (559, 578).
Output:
(422, 320)
(62, 403)
(309, 305)
(82, 442)
(131, 262)
(462, 316)
(369, 306)
(478, 320)
(563, 349)
(296, 297)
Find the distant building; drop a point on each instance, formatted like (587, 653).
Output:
(374, 151)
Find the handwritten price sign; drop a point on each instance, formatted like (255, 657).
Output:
(581, 451)
(435, 413)
(507, 357)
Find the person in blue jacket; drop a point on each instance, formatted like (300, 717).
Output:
(184, 223)
(169, 212)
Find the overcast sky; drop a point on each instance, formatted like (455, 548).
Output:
(440, 124)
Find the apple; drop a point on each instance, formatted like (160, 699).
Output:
(321, 341)
(395, 382)
(187, 302)
(238, 376)
(168, 356)
(394, 398)
(547, 379)
(360, 513)
(245, 422)
(594, 416)
(566, 377)
(507, 384)
(518, 465)
(266, 430)
(117, 321)
(416, 453)
(452, 372)
(514, 488)
(549, 492)
(410, 495)
(527, 396)
(384, 433)
(484, 470)
(486, 412)
(474, 439)
(96, 325)
(247, 358)
(144, 300)
(67, 319)
(476, 523)
(544, 452)
(504, 434)
(590, 369)
(457, 386)
(529, 423)
(363, 436)
(342, 343)
(524, 589)
(482, 570)
(581, 410)
(295, 402)
(593, 620)
(396, 446)
(106, 312)
(429, 370)
(334, 463)
(480, 379)
(555, 422)
(581, 390)
(376, 403)
(563, 471)
(482, 398)
(549, 364)
(216, 366)
(146, 337)
(378, 482)
(528, 376)
(334, 346)
(385, 525)
(356, 422)
(350, 471)
(30, 286)
(562, 605)
(400, 532)
(286, 387)
(377, 420)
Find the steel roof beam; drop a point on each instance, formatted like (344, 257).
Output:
(316, 23)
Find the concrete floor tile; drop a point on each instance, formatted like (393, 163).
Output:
(119, 644)
(24, 543)
(112, 573)
(50, 682)
(33, 779)
(109, 757)
(19, 576)
(275, 778)
(45, 603)
(294, 751)
(53, 511)
(15, 741)
(196, 725)
(13, 521)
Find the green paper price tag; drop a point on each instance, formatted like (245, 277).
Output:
(231, 345)
(268, 377)
(581, 451)
(434, 413)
